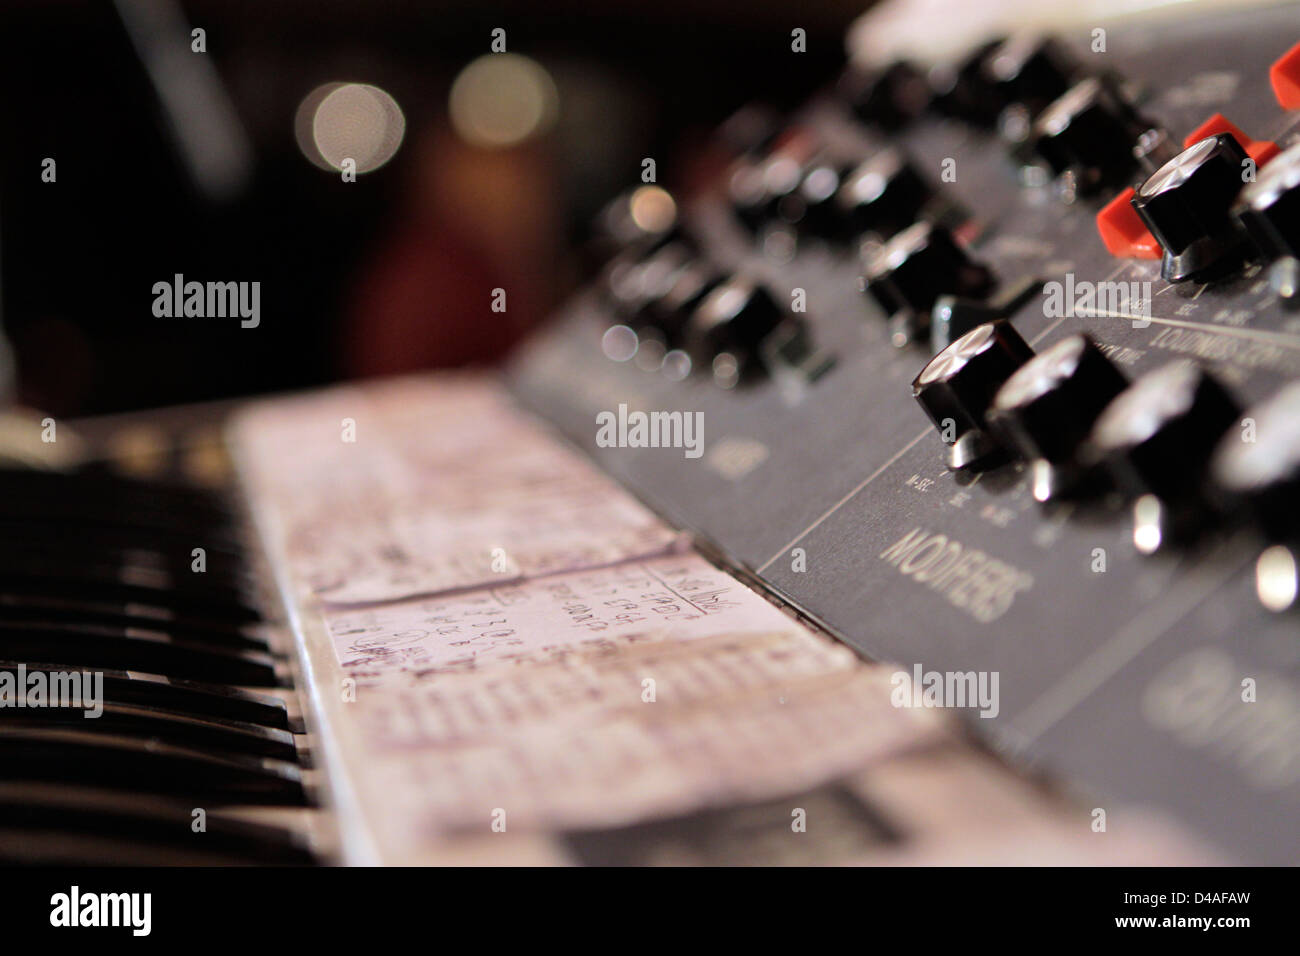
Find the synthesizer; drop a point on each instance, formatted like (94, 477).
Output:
(922, 490)
(992, 379)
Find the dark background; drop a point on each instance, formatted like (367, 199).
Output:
(392, 272)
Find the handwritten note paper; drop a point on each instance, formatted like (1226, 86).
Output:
(680, 598)
(598, 697)
(521, 635)
(656, 760)
(592, 683)
(422, 486)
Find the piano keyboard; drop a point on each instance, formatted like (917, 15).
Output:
(187, 745)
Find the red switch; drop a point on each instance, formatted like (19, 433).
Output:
(1285, 76)
(1260, 150)
(1124, 232)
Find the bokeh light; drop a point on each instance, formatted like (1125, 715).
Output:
(357, 121)
(652, 209)
(502, 99)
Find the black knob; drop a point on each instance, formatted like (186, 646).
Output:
(731, 320)
(1186, 205)
(907, 274)
(765, 190)
(817, 212)
(1258, 465)
(961, 90)
(1257, 471)
(632, 282)
(883, 195)
(757, 186)
(1089, 134)
(746, 193)
(1156, 439)
(890, 98)
(1047, 409)
(669, 312)
(1269, 208)
(1029, 70)
(957, 386)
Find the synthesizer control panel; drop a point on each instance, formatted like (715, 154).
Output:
(993, 369)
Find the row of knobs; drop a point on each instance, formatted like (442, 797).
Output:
(1078, 126)
(910, 261)
(1209, 215)
(1169, 442)
(678, 311)
(835, 202)
(913, 267)
(1205, 205)
(1024, 71)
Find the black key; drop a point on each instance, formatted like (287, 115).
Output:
(22, 554)
(34, 608)
(185, 696)
(128, 764)
(93, 495)
(73, 822)
(144, 722)
(92, 646)
(122, 583)
(61, 823)
(64, 532)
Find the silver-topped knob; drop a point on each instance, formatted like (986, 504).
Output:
(1048, 406)
(1156, 439)
(956, 388)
